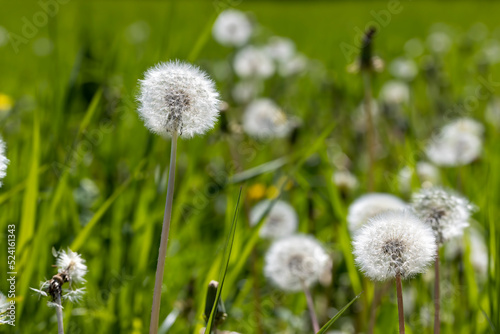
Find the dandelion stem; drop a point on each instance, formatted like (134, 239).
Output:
(155, 310)
(436, 295)
(399, 289)
(59, 314)
(371, 128)
(310, 305)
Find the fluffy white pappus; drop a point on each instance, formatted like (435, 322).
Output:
(74, 296)
(427, 173)
(439, 42)
(446, 212)
(281, 221)
(178, 97)
(394, 242)
(253, 62)
(4, 303)
(264, 119)
(295, 261)
(404, 69)
(463, 125)
(3, 161)
(395, 92)
(454, 146)
(245, 91)
(72, 263)
(368, 206)
(232, 28)
(280, 49)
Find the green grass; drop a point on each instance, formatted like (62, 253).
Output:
(74, 118)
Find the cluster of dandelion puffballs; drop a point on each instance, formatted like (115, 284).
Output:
(392, 238)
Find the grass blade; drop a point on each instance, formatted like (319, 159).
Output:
(224, 266)
(336, 316)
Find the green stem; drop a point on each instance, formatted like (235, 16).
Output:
(371, 127)
(155, 310)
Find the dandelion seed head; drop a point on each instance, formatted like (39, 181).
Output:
(264, 119)
(368, 206)
(394, 242)
(295, 260)
(245, 91)
(295, 65)
(446, 212)
(179, 98)
(281, 221)
(344, 179)
(253, 62)
(73, 264)
(232, 28)
(280, 49)
(457, 144)
(74, 296)
(4, 303)
(3, 161)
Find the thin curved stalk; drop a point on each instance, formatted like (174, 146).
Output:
(371, 128)
(437, 305)
(155, 310)
(59, 314)
(401, 313)
(310, 305)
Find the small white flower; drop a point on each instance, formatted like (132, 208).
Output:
(264, 119)
(73, 264)
(395, 92)
(3, 161)
(458, 143)
(178, 97)
(367, 206)
(253, 62)
(280, 49)
(232, 28)
(404, 69)
(344, 179)
(446, 212)
(394, 242)
(281, 221)
(295, 65)
(295, 261)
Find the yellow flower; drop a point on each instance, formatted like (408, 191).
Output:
(5, 102)
(256, 192)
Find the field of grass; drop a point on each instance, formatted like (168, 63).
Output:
(86, 174)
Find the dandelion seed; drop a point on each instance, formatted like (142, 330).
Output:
(178, 98)
(281, 221)
(253, 62)
(3, 161)
(394, 242)
(264, 119)
(295, 261)
(445, 212)
(370, 205)
(232, 28)
(74, 296)
(72, 263)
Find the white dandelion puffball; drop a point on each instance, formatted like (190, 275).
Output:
(4, 303)
(492, 112)
(232, 28)
(404, 69)
(295, 65)
(394, 242)
(264, 119)
(245, 91)
(253, 62)
(445, 212)
(280, 49)
(281, 221)
(428, 173)
(439, 42)
(458, 143)
(367, 206)
(3, 161)
(395, 92)
(178, 98)
(295, 261)
(73, 264)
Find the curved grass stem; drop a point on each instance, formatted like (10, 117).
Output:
(155, 309)
(310, 305)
